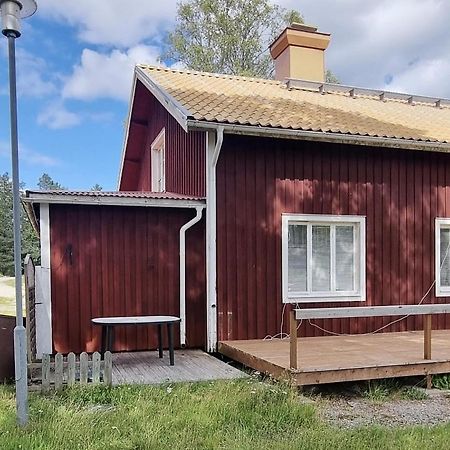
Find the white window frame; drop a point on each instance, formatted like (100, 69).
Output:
(158, 162)
(359, 294)
(441, 291)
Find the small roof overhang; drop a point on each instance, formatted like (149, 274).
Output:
(32, 199)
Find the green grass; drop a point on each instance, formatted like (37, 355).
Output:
(244, 414)
(392, 389)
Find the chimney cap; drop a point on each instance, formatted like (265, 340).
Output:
(303, 27)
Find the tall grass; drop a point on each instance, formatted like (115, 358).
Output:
(244, 414)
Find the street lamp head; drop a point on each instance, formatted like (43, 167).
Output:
(12, 11)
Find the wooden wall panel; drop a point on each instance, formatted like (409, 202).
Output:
(113, 261)
(400, 192)
(185, 152)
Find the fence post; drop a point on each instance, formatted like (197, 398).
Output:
(84, 365)
(45, 372)
(96, 367)
(71, 362)
(59, 364)
(107, 370)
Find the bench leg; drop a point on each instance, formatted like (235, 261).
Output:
(160, 343)
(427, 336)
(171, 351)
(293, 340)
(103, 343)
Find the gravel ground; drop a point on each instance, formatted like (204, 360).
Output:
(356, 412)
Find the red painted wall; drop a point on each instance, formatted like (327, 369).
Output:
(400, 192)
(185, 152)
(115, 261)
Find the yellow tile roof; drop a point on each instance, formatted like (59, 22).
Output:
(268, 103)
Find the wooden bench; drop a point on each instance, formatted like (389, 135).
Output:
(365, 311)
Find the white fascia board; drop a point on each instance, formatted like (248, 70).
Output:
(127, 131)
(372, 311)
(112, 201)
(336, 138)
(176, 109)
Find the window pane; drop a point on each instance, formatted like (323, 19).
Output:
(345, 258)
(320, 270)
(445, 256)
(297, 258)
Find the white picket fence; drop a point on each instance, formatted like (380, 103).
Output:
(58, 371)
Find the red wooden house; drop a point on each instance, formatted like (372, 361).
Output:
(296, 192)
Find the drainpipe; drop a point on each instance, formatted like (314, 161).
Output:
(214, 145)
(186, 226)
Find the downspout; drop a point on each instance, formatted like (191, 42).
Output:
(213, 153)
(186, 226)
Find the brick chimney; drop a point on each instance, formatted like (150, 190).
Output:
(299, 52)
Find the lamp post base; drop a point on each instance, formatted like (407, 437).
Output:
(20, 356)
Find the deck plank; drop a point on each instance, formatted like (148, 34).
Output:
(340, 358)
(190, 365)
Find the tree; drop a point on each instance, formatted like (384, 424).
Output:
(30, 242)
(228, 36)
(46, 183)
(96, 187)
(6, 226)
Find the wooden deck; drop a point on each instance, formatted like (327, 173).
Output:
(333, 359)
(190, 365)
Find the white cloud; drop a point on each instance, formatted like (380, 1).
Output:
(28, 156)
(56, 116)
(34, 79)
(377, 40)
(112, 22)
(427, 77)
(106, 75)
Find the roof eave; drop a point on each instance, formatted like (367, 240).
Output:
(175, 108)
(39, 198)
(319, 136)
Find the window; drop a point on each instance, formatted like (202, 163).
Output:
(323, 258)
(158, 167)
(442, 254)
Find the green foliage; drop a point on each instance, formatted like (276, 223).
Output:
(413, 393)
(379, 390)
(46, 183)
(330, 77)
(30, 241)
(6, 226)
(392, 389)
(228, 36)
(242, 414)
(442, 381)
(96, 187)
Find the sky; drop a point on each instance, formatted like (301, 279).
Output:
(76, 58)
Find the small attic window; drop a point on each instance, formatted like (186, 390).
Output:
(158, 162)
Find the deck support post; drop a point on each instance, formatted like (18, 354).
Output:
(293, 340)
(427, 336)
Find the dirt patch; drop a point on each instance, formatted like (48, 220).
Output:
(357, 412)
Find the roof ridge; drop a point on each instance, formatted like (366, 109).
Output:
(211, 74)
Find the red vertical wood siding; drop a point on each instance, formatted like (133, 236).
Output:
(400, 192)
(184, 152)
(115, 261)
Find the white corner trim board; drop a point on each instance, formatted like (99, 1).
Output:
(44, 335)
(214, 140)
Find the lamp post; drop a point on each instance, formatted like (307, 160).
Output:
(11, 12)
